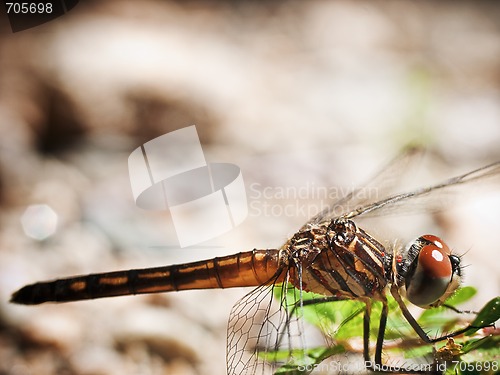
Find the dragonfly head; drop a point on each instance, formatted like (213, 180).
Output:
(430, 272)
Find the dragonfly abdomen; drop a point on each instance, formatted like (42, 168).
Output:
(251, 268)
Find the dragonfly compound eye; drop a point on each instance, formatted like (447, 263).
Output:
(432, 279)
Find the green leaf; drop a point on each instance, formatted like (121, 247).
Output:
(485, 349)
(488, 315)
(342, 321)
(484, 342)
(461, 295)
(280, 355)
(331, 313)
(306, 361)
(291, 369)
(476, 356)
(418, 352)
(352, 325)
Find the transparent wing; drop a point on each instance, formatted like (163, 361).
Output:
(382, 184)
(426, 198)
(263, 330)
(378, 196)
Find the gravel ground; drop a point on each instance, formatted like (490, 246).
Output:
(299, 95)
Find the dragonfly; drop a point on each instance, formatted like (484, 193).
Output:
(330, 255)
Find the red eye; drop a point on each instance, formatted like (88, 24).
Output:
(433, 274)
(436, 241)
(435, 262)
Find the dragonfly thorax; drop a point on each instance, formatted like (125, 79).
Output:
(338, 258)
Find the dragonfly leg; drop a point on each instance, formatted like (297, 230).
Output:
(414, 324)
(366, 333)
(381, 333)
(317, 301)
(459, 311)
(378, 366)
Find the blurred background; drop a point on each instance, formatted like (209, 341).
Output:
(297, 94)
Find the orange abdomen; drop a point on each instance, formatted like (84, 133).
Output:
(251, 268)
